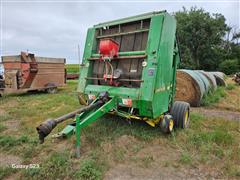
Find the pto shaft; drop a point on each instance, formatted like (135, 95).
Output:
(45, 128)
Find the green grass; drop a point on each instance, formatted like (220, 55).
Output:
(9, 142)
(88, 171)
(213, 96)
(209, 141)
(216, 136)
(72, 68)
(5, 116)
(2, 127)
(6, 171)
(147, 161)
(56, 166)
(231, 86)
(112, 127)
(185, 158)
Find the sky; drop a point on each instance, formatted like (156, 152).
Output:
(56, 28)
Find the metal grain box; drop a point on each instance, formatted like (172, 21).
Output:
(26, 71)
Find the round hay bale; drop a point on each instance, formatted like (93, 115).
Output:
(219, 76)
(189, 87)
(204, 80)
(210, 78)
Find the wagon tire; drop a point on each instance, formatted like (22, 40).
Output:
(181, 114)
(52, 90)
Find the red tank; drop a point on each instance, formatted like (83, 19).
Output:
(108, 48)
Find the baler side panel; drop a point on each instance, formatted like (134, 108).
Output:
(150, 71)
(86, 69)
(163, 88)
(176, 64)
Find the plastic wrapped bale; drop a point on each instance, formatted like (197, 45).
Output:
(205, 81)
(189, 87)
(211, 79)
(219, 76)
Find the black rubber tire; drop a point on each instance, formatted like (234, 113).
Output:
(179, 111)
(165, 124)
(52, 90)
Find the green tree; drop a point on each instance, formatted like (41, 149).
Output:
(230, 66)
(201, 38)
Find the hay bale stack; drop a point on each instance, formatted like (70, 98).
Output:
(219, 76)
(189, 87)
(205, 81)
(211, 79)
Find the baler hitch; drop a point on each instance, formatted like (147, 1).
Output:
(45, 128)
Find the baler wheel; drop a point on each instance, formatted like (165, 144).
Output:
(181, 114)
(167, 124)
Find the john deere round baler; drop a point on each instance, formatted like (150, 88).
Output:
(128, 69)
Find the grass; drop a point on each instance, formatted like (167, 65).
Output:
(216, 136)
(57, 166)
(9, 142)
(109, 128)
(89, 171)
(185, 158)
(2, 127)
(231, 86)
(208, 142)
(147, 161)
(213, 96)
(72, 68)
(6, 171)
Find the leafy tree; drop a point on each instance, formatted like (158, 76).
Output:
(201, 38)
(230, 66)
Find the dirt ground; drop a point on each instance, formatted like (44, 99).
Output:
(161, 163)
(218, 113)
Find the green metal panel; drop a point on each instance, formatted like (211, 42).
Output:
(120, 91)
(163, 90)
(149, 73)
(86, 69)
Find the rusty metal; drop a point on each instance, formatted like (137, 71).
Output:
(29, 68)
(72, 76)
(26, 72)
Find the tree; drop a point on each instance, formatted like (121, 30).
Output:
(201, 38)
(230, 66)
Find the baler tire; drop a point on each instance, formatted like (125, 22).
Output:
(181, 116)
(167, 124)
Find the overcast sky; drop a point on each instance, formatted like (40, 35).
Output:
(55, 29)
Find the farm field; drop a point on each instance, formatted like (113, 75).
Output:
(72, 68)
(113, 148)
